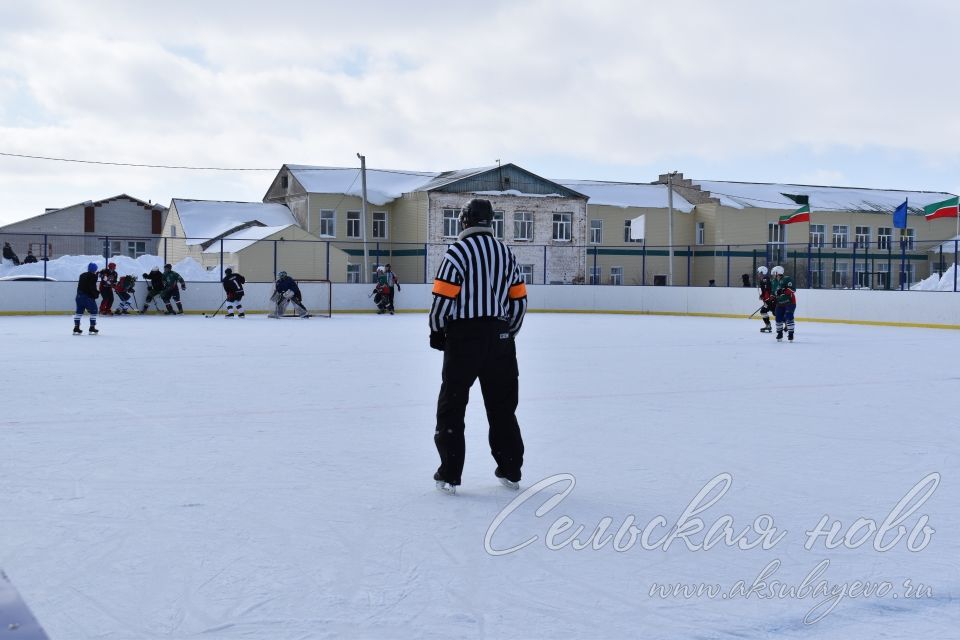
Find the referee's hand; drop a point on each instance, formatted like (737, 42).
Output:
(438, 340)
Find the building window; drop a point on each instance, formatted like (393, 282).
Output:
(562, 226)
(841, 275)
(353, 224)
(523, 226)
(380, 225)
(626, 233)
(909, 274)
(156, 223)
(136, 248)
(817, 234)
(497, 225)
(701, 232)
(840, 233)
(908, 237)
(116, 248)
(353, 273)
(595, 274)
(616, 275)
(596, 231)
(328, 223)
(862, 237)
(451, 223)
(173, 231)
(884, 237)
(284, 182)
(89, 219)
(37, 249)
(861, 274)
(776, 238)
(526, 272)
(883, 275)
(817, 279)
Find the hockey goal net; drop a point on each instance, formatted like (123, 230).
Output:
(317, 299)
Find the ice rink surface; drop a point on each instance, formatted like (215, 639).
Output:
(184, 477)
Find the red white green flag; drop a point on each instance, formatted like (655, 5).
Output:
(946, 209)
(800, 215)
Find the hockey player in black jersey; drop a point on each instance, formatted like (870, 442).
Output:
(767, 298)
(233, 286)
(87, 295)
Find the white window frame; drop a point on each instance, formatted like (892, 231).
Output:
(861, 235)
(380, 219)
(701, 233)
(817, 234)
(596, 274)
(777, 242)
(883, 274)
(116, 248)
(496, 225)
(526, 272)
(523, 226)
(328, 223)
(596, 231)
(136, 248)
(353, 274)
(841, 236)
(841, 273)
(910, 235)
(173, 231)
(562, 226)
(451, 223)
(616, 276)
(353, 224)
(884, 237)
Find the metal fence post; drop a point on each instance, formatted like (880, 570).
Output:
(643, 266)
(809, 266)
(544, 264)
(221, 259)
(275, 270)
(853, 283)
(45, 255)
(689, 265)
(328, 259)
(728, 265)
(425, 281)
(955, 266)
(595, 266)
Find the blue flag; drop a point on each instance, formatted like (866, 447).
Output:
(900, 216)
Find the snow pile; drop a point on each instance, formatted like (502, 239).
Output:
(946, 280)
(69, 268)
(927, 284)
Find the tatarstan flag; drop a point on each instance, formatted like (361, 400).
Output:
(946, 209)
(800, 215)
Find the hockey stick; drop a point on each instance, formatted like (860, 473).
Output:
(756, 312)
(217, 311)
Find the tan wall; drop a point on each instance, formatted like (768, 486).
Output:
(299, 254)
(175, 248)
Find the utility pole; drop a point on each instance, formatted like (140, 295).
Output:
(670, 226)
(363, 216)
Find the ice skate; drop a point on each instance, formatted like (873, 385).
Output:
(509, 484)
(766, 329)
(790, 336)
(779, 335)
(77, 330)
(93, 331)
(444, 486)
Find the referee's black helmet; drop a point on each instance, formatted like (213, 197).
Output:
(476, 213)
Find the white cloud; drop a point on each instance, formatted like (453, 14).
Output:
(431, 85)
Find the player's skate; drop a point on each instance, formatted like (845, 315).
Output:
(779, 335)
(509, 484)
(790, 336)
(77, 330)
(93, 331)
(766, 329)
(444, 486)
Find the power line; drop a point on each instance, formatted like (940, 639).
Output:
(130, 164)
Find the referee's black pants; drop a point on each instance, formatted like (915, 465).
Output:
(479, 348)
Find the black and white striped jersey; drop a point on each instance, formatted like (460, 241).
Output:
(478, 278)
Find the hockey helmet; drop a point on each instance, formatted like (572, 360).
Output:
(282, 274)
(762, 270)
(167, 267)
(154, 269)
(777, 270)
(228, 271)
(112, 265)
(476, 213)
(92, 267)
(379, 269)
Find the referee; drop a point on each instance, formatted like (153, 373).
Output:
(479, 300)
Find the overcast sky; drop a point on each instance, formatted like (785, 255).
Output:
(850, 93)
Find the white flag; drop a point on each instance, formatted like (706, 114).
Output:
(638, 227)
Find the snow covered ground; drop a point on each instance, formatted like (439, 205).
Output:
(189, 477)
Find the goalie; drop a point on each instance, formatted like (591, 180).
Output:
(286, 292)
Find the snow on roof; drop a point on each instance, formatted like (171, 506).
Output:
(627, 194)
(205, 219)
(383, 186)
(949, 246)
(244, 238)
(745, 195)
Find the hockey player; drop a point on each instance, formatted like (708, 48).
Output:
(171, 289)
(382, 295)
(479, 300)
(154, 281)
(393, 282)
(233, 286)
(107, 282)
(785, 292)
(287, 291)
(124, 289)
(87, 295)
(767, 298)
